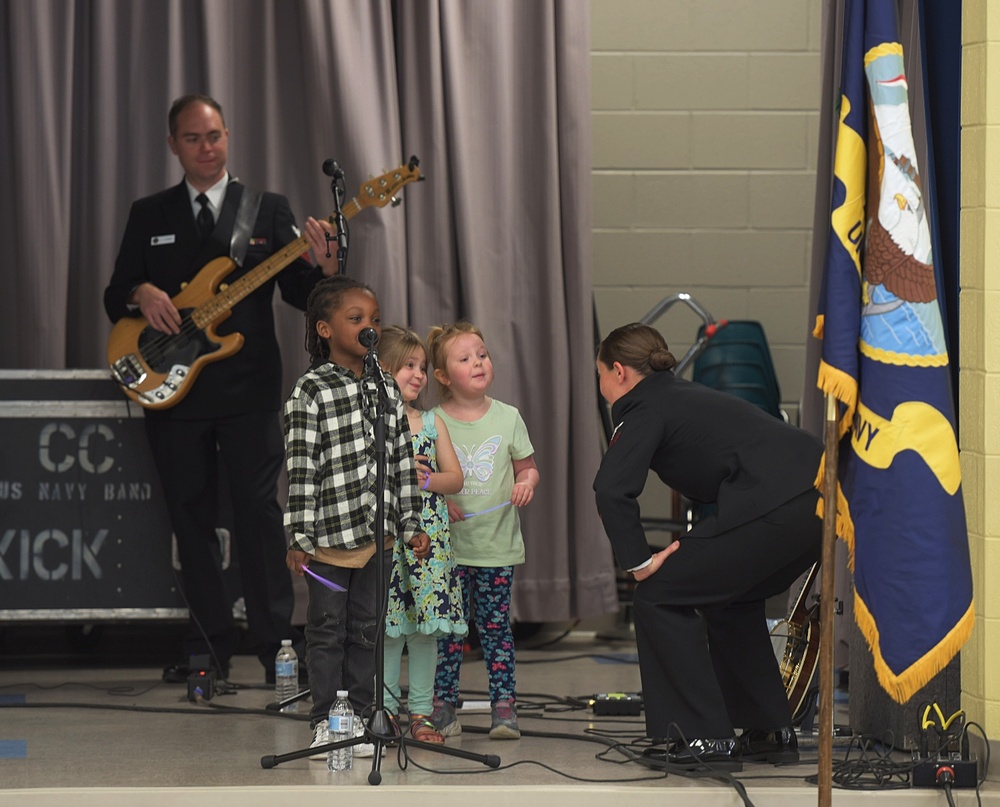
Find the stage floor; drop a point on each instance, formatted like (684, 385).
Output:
(92, 724)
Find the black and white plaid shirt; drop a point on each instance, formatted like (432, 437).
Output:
(330, 452)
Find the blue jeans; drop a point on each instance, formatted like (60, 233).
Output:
(341, 628)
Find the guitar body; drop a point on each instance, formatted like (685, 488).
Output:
(804, 670)
(800, 656)
(156, 369)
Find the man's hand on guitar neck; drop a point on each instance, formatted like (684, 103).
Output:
(316, 232)
(157, 307)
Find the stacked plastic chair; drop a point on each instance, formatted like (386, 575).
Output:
(738, 360)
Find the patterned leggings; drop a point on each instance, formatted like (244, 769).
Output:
(486, 595)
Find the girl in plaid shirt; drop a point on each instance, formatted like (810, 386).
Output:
(330, 453)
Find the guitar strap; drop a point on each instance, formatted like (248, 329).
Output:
(246, 215)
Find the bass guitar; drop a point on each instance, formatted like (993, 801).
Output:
(800, 656)
(156, 369)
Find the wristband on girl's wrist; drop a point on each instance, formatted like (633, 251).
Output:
(427, 482)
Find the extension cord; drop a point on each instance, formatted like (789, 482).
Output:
(937, 772)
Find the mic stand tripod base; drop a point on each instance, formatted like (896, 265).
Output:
(382, 718)
(380, 738)
(381, 724)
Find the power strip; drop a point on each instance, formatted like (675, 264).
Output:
(617, 703)
(937, 772)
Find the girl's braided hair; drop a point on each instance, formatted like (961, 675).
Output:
(326, 297)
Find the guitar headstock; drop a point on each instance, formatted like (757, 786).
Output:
(381, 190)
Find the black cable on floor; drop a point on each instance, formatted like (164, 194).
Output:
(214, 709)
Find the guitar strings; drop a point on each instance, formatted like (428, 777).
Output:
(159, 345)
(156, 349)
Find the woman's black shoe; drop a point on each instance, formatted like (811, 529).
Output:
(769, 745)
(699, 754)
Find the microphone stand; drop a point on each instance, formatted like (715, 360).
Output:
(380, 724)
(332, 169)
(380, 728)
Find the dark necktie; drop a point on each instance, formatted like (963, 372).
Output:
(206, 221)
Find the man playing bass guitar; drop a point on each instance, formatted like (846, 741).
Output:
(230, 416)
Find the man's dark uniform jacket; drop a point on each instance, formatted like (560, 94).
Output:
(162, 245)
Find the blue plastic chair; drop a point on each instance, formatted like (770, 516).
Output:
(738, 360)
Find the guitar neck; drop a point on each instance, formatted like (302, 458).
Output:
(220, 303)
(800, 607)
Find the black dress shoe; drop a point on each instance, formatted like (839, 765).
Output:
(721, 754)
(769, 745)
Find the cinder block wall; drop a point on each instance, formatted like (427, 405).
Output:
(979, 377)
(705, 120)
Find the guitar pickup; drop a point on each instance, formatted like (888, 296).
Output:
(168, 388)
(128, 371)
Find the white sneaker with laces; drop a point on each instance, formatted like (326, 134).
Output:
(321, 736)
(362, 749)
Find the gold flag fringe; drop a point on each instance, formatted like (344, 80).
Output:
(845, 524)
(906, 684)
(841, 386)
(903, 686)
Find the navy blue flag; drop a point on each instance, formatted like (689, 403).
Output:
(884, 358)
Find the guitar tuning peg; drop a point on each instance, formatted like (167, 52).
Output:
(395, 201)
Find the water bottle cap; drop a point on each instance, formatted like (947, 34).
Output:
(286, 642)
(341, 693)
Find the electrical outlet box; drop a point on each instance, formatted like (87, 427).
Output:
(201, 684)
(939, 771)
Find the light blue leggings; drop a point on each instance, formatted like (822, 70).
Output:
(421, 665)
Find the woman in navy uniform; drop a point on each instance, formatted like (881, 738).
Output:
(705, 655)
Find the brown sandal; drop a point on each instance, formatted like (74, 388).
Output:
(423, 730)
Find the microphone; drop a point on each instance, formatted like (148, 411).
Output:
(332, 169)
(369, 338)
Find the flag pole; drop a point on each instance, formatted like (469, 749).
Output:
(826, 609)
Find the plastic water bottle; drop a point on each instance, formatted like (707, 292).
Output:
(341, 728)
(286, 675)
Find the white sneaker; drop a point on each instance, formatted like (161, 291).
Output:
(362, 749)
(321, 736)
